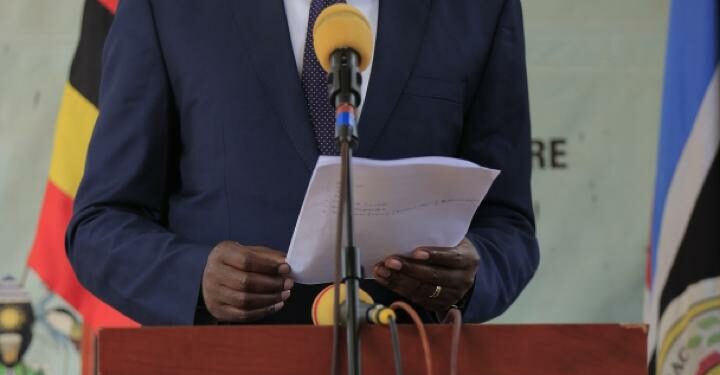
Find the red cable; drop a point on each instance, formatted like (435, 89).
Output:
(421, 331)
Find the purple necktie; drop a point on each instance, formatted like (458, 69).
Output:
(314, 84)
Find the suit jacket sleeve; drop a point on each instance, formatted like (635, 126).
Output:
(497, 135)
(117, 241)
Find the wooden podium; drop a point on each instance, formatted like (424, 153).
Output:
(276, 350)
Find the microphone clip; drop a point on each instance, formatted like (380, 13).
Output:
(344, 78)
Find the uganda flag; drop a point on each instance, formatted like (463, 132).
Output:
(75, 122)
(683, 306)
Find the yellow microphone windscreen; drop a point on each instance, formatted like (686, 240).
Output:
(342, 26)
(322, 308)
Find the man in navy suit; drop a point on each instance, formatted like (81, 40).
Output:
(208, 133)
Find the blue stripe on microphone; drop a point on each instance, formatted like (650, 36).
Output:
(345, 119)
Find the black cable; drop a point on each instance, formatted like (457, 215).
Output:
(397, 354)
(454, 317)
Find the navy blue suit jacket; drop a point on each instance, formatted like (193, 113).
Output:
(203, 136)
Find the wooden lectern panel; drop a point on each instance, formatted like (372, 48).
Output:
(275, 350)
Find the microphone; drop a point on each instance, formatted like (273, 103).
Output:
(344, 45)
(323, 314)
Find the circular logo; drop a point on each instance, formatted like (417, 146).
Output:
(692, 344)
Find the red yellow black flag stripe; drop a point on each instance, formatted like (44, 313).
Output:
(75, 122)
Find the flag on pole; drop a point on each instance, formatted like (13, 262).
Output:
(75, 122)
(683, 304)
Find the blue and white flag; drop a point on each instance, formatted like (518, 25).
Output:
(683, 304)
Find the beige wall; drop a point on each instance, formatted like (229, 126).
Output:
(37, 40)
(595, 71)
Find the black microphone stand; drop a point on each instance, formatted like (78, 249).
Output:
(344, 82)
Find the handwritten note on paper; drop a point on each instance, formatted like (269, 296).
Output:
(399, 206)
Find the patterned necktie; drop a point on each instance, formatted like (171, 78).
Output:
(314, 84)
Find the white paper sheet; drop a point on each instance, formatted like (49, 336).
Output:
(399, 205)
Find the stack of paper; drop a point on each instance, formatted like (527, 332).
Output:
(399, 206)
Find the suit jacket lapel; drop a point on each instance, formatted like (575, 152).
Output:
(264, 30)
(400, 33)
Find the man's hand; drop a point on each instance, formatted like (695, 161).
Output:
(435, 278)
(245, 283)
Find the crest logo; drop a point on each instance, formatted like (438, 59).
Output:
(692, 344)
(16, 323)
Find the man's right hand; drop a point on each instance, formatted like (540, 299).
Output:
(245, 283)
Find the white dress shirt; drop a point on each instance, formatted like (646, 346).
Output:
(298, 12)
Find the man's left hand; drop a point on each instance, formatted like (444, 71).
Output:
(435, 278)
